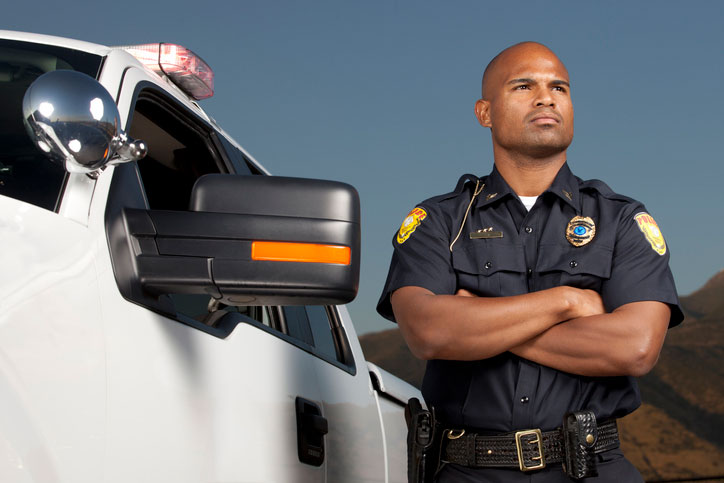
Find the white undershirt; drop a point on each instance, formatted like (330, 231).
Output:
(528, 201)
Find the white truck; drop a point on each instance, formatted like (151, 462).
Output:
(169, 312)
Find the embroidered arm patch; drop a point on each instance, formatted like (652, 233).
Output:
(651, 231)
(410, 224)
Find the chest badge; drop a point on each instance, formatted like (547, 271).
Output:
(580, 231)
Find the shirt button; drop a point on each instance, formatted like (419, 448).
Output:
(488, 265)
(524, 400)
(528, 229)
(530, 272)
(574, 264)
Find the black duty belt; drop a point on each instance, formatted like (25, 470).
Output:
(527, 450)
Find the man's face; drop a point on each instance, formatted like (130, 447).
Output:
(527, 103)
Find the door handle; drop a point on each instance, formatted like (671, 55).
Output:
(311, 428)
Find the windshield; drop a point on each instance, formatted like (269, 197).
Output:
(25, 173)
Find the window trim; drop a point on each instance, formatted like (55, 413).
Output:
(341, 340)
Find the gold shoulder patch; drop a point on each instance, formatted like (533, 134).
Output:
(410, 224)
(651, 231)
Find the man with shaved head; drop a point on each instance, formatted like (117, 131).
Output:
(536, 297)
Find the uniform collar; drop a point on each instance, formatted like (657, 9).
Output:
(495, 189)
(564, 186)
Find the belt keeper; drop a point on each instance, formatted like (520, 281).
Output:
(470, 448)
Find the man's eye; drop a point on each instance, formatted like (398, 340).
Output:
(521, 87)
(559, 88)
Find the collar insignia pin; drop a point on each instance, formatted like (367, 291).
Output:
(568, 194)
(580, 231)
(491, 196)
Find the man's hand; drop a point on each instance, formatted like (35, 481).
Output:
(585, 303)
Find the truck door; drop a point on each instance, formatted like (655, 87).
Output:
(355, 441)
(196, 391)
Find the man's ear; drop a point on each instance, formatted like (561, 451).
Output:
(482, 112)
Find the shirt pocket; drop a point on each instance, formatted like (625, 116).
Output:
(579, 267)
(490, 269)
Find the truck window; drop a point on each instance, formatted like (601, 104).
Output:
(322, 331)
(315, 326)
(242, 165)
(180, 150)
(25, 173)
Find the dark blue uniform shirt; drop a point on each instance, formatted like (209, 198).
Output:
(623, 262)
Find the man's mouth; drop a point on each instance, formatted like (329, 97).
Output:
(545, 118)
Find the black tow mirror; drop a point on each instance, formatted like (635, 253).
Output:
(252, 240)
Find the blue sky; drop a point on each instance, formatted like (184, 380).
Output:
(380, 94)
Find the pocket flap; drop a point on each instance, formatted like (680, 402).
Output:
(593, 260)
(486, 258)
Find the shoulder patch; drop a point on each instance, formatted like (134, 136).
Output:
(410, 224)
(651, 231)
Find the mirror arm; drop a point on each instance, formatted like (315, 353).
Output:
(127, 149)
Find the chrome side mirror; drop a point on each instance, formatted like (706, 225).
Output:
(73, 120)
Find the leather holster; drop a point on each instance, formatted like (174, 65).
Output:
(423, 443)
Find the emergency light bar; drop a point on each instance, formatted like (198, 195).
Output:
(184, 68)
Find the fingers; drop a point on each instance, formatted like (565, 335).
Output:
(465, 293)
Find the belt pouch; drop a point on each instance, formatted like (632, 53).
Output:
(423, 443)
(580, 434)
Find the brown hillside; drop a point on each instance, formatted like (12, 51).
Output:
(691, 360)
(708, 300)
(662, 448)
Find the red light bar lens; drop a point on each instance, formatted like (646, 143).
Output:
(185, 69)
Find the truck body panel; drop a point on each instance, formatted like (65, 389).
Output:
(97, 386)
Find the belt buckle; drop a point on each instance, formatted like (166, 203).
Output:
(539, 441)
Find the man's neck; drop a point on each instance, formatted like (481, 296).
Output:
(529, 176)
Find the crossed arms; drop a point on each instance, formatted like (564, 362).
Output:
(564, 328)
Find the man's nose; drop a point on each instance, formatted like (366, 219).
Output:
(544, 98)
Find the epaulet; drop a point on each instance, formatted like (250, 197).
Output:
(604, 190)
(459, 188)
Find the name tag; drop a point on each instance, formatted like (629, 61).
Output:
(486, 233)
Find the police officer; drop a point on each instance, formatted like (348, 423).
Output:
(531, 293)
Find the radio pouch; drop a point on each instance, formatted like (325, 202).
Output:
(580, 433)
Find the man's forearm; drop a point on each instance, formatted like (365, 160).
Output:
(474, 328)
(624, 342)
